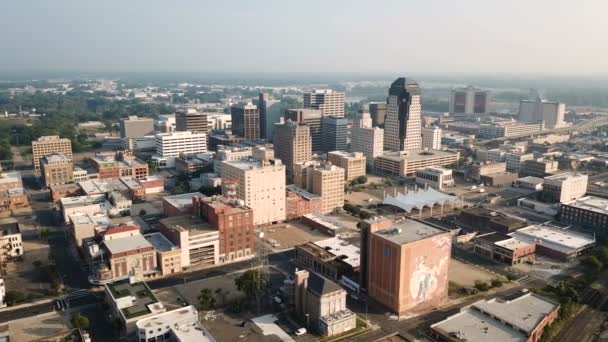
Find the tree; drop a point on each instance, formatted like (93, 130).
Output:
(44, 233)
(14, 297)
(253, 284)
(80, 321)
(142, 212)
(206, 299)
(152, 167)
(593, 262)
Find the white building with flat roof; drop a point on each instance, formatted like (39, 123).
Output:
(554, 241)
(435, 177)
(175, 143)
(369, 141)
(179, 325)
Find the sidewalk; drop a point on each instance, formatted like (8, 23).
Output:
(27, 305)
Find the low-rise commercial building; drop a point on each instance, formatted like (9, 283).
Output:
(565, 187)
(353, 163)
(492, 155)
(12, 193)
(132, 301)
(56, 169)
(435, 177)
(198, 241)
(405, 163)
(332, 258)
(168, 255)
(11, 245)
(499, 178)
(179, 205)
(503, 248)
(120, 253)
(119, 165)
(530, 183)
(84, 204)
(476, 171)
(323, 303)
(555, 242)
(223, 139)
(588, 212)
(87, 225)
(48, 145)
(540, 167)
(521, 319)
(179, 325)
(484, 219)
(299, 202)
(515, 160)
(65, 190)
(508, 129)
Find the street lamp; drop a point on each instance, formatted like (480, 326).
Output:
(307, 325)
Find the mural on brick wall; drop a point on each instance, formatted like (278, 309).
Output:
(430, 273)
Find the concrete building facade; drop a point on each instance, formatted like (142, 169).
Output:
(565, 187)
(292, 143)
(369, 141)
(469, 101)
(311, 118)
(191, 120)
(431, 138)
(56, 169)
(136, 127)
(330, 102)
(47, 145)
(353, 163)
(322, 179)
(246, 121)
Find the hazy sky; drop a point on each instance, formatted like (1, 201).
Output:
(485, 36)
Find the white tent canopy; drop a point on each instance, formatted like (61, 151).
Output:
(418, 199)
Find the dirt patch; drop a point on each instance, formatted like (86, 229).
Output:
(287, 235)
(465, 275)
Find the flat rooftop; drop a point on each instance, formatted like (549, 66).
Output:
(184, 200)
(126, 244)
(160, 242)
(531, 180)
(10, 177)
(591, 203)
(513, 244)
(497, 320)
(99, 219)
(564, 176)
(141, 294)
(78, 201)
(344, 250)
(187, 223)
(175, 319)
(224, 202)
(407, 231)
(94, 186)
(301, 192)
(555, 238)
(417, 155)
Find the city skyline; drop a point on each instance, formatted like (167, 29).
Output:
(463, 37)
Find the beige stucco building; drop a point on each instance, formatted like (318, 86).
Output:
(323, 179)
(353, 163)
(47, 145)
(56, 169)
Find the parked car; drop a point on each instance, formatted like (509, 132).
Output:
(300, 332)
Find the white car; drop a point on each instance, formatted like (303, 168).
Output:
(300, 332)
